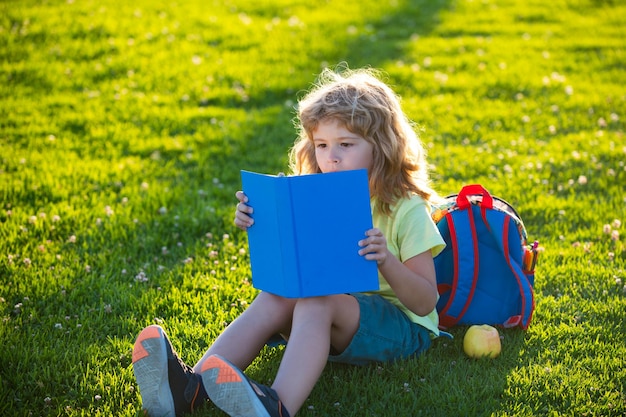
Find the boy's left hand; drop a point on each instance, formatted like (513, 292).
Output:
(374, 246)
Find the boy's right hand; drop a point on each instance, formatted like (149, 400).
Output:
(243, 212)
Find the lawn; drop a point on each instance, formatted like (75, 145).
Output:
(123, 128)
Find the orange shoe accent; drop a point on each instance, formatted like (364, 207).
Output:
(150, 332)
(195, 396)
(225, 373)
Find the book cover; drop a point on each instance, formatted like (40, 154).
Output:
(304, 241)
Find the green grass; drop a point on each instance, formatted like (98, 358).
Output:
(123, 127)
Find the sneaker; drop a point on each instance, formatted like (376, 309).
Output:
(230, 390)
(168, 386)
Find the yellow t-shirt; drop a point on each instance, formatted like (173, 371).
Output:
(409, 231)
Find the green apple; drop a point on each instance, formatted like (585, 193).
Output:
(482, 341)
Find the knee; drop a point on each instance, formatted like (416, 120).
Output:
(315, 306)
(275, 303)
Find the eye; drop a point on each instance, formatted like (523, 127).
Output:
(346, 144)
(320, 145)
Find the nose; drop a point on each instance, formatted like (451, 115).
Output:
(333, 156)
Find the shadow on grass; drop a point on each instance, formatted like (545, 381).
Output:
(441, 382)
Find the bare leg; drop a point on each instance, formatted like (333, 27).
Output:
(244, 338)
(317, 323)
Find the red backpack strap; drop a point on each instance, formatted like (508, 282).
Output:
(465, 258)
(527, 294)
(463, 200)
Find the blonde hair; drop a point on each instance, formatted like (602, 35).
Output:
(368, 108)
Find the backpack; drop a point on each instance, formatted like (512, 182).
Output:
(485, 275)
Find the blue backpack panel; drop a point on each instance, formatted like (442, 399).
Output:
(485, 275)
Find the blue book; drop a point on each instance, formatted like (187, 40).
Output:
(304, 241)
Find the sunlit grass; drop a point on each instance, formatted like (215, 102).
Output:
(123, 127)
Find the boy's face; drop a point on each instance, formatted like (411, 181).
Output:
(338, 149)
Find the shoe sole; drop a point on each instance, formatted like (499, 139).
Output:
(229, 389)
(150, 367)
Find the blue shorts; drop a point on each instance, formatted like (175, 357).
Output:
(385, 334)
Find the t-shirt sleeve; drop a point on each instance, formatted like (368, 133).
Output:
(417, 232)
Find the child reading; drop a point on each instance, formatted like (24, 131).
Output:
(350, 120)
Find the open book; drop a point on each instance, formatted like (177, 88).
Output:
(304, 241)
